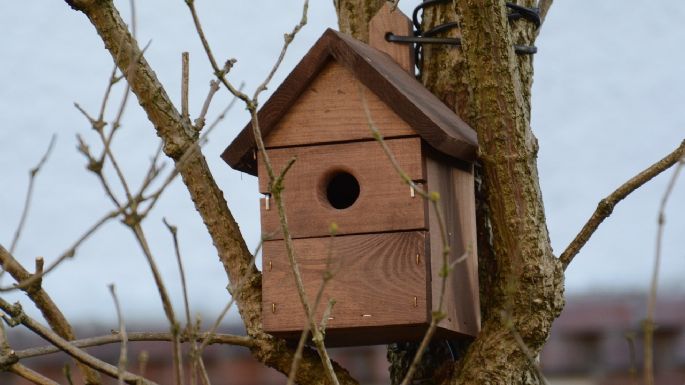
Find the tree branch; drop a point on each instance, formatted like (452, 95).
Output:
(29, 193)
(544, 6)
(19, 317)
(44, 303)
(212, 339)
(606, 205)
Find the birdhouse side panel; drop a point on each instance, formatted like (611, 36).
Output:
(376, 280)
(457, 201)
(331, 110)
(353, 185)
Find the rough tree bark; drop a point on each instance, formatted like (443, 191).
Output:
(521, 280)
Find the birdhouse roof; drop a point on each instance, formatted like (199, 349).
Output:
(434, 122)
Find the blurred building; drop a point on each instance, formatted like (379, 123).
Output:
(596, 341)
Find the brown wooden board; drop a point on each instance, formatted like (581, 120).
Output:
(376, 283)
(384, 203)
(457, 201)
(331, 110)
(394, 21)
(401, 92)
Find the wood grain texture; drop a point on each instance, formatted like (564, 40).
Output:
(376, 279)
(394, 21)
(457, 201)
(331, 110)
(401, 92)
(384, 203)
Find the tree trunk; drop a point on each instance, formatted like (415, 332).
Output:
(488, 85)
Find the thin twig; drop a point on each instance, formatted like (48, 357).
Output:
(235, 292)
(606, 205)
(185, 79)
(544, 6)
(288, 38)
(632, 370)
(29, 193)
(69, 253)
(123, 351)
(325, 278)
(31, 375)
(95, 165)
(49, 310)
(212, 339)
(174, 234)
(651, 301)
(166, 301)
(19, 317)
(200, 121)
(218, 72)
(154, 197)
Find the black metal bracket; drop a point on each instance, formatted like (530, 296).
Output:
(428, 37)
(519, 49)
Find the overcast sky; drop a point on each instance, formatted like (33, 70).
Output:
(607, 101)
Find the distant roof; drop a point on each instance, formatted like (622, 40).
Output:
(439, 126)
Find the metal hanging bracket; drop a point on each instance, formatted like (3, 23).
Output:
(429, 37)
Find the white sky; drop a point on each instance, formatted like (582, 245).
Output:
(608, 101)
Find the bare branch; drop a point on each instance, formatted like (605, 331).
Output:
(325, 278)
(651, 301)
(288, 38)
(29, 193)
(123, 352)
(51, 313)
(31, 375)
(71, 251)
(185, 79)
(544, 6)
(606, 205)
(173, 230)
(19, 317)
(200, 121)
(212, 339)
(164, 296)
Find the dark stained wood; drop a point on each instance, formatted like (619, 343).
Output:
(384, 202)
(396, 22)
(457, 202)
(376, 279)
(427, 115)
(331, 110)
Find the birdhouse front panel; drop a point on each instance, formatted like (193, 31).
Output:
(343, 184)
(379, 281)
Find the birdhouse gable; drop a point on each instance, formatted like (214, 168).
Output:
(331, 110)
(329, 75)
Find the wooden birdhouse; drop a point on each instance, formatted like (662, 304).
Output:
(386, 256)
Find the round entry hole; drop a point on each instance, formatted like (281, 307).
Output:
(342, 190)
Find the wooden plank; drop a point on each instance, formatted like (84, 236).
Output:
(384, 203)
(331, 110)
(457, 201)
(375, 280)
(393, 21)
